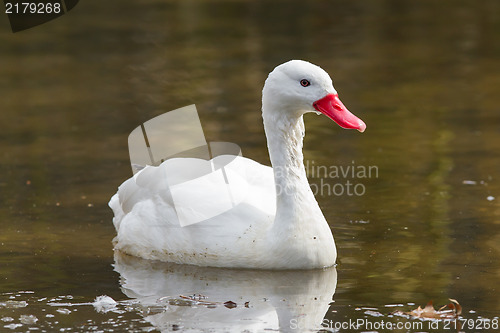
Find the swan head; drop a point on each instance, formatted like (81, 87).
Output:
(297, 87)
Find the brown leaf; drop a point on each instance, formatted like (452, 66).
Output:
(449, 311)
(230, 305)
(454, 307)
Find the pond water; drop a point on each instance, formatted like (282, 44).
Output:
(423, 225)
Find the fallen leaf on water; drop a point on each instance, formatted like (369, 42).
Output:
(449, 311)
(230, 305)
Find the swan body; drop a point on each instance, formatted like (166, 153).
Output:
(278, 225)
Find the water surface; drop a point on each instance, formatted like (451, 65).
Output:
(424, 76)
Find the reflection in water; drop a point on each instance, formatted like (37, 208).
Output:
(284, 300)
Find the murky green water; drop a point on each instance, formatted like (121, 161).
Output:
(423, 75)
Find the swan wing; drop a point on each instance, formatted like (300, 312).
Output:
(179, 207)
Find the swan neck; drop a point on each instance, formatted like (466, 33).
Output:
(285, 141)
(294, 198)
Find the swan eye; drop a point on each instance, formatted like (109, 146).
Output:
(305, 83)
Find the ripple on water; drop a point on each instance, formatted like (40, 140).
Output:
(21, 312)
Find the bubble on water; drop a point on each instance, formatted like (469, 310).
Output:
(7, 319)
(28, 319)
(14, 304)
(490, 198)
(13, 326)
(64, 311)
(373, 313)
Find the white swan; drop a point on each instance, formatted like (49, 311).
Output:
(279, 225)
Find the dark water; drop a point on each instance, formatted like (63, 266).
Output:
(424, 225)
